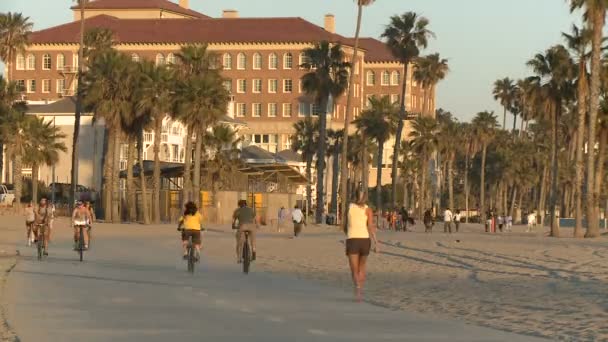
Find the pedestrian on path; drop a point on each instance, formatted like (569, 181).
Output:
(298, 221)
(428, 221)
(457, 218)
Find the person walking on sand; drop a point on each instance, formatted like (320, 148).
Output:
(428, 221)
(447, 221)
(531, 222)
(283, 216)
(298, 221)
(360, 233)
(501, 219)
(457, 218)
(509, 222)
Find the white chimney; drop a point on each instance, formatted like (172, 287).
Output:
(330, 23)
(184, 4)
(230, 13)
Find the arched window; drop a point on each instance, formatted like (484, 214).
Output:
(46, 62)
(395, 78)
(371, 78)
(227, 61)
(60, 61)
(30, 62)
(273, 61)
(288, 61)
(257, 61)
(241, 61)
(386, 78)
(135, 57)
(171, 58)
(302, 59)
(160, 59)
(20, 62)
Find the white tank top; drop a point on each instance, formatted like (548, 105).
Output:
(357, 222)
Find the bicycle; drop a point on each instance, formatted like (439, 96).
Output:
(80, 245)
(40, 241)
(247, 253)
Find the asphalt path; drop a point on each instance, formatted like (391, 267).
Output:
(133, 286)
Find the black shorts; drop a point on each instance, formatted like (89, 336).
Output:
(358, 246)
(196, 236)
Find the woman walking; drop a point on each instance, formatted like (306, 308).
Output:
(361, 231)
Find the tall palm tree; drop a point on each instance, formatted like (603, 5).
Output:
(504, 92)
(468, 147)
(326, 80)
(450, 137)
(305, 141)
(579, 42)
(155, 99)
(14, 37)
(424, 144)
(524, 101)
(484, 128)
(595, 16)
(409, 168)
(335, 137)
(434, 69)
(347, 116)
(45, 143)
(379, 122)
(405, 36)
(555, 70)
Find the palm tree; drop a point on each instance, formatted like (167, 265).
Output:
(555, 70)
(405, 36)
(524, 100)
(45, 143)
(335, 136)
(430, 70)
(450, 138)
(484, 128)
(379, 123)
(326, 80)
(409, 168)
(223, 143)
(155, 99)
(504, 92)
(347, 117)
(305, 141)
(424, 143)
(468, 147)
(14, 37)
(595, 16)
(579, 42)
(96, 41)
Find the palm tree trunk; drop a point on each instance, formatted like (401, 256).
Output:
(467, 189)
(379, 178)
(482, 183)
(108, 166)
(131, 191)
(158, 124)
(116, 195)
(18, 179)
(335, 179)
(321, 148)
(504, 119)
(514, 122)
(513, 199)
(198, 150)
(187, 186)
(599, 171)
(145, 210)
(365, 167)
(451, 182)
(554, 166)
(542, 198)
(398, 134)
(425, 98)
(598, 21)
(347, 119)
(35, 172)
(523, 116)
(309, 182)
(423, 191)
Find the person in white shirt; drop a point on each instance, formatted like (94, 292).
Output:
(447, 221)
(457, 217)
(298, 221)
(531, 222)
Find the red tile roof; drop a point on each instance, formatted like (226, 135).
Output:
(141, 4)
(376, 51)
(212, 30)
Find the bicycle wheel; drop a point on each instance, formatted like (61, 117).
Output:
(246, 255)
(81, 242)
(190, 255)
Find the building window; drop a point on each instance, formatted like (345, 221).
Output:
(31, 62)
(272, 110)
(371, 78)
(315, 109)
(60, 61)
(304, 109)
(386, 78)
(60, 86)
(171, 58)
(287, 110)
(46, 86)
(46, 62)
(160, 59)
(303, 59)
(241, 61)
(228, 85)
(31, 86)
(395, 78)
(287, 86)
(257, 61)
(357, 68)
(273, 85)
(257, 85)
(273, 61)
(300, 86)
(256, 110)
(241, 86)
(288, 61)
(395, 98)
(20, 85)
(241, 110)
(267, 142)
(135, 57)
(227, 61)
(20, 65)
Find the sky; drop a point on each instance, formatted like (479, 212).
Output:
(483, 40)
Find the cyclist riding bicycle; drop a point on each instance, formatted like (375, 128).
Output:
(42, 217)
(191, 224)
(247, 222)
(81, 216)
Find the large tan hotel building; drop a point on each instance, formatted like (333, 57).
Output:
(260, 58)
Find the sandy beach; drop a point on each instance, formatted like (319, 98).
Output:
(7, 262)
